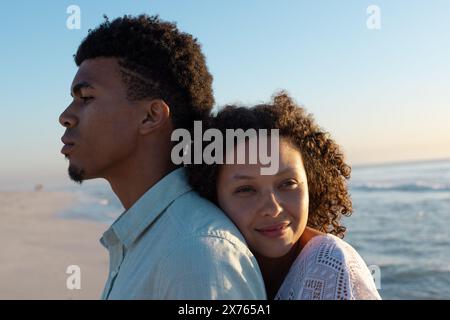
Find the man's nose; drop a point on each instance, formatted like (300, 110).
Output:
(271, 205)
(68, 119)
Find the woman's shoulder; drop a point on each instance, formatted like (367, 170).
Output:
(336, 255)
(329, 248)
(328, 268)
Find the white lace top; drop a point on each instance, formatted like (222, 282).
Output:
(328, 268)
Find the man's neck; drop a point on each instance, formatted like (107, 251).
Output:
(136, 176)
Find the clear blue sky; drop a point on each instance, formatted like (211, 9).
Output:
(383, 94)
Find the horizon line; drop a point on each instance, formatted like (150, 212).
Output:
(399, 162)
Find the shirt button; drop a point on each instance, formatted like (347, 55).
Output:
(113, 274)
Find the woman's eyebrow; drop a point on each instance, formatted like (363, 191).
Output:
(76, 89)
(245, 177)
(284, 171)
(242, 177)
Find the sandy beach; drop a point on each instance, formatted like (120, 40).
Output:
(38, 246)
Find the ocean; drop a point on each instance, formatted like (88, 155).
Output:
(400, 225)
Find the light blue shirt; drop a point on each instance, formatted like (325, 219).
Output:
(173, 244)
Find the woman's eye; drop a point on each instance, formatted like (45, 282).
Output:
(244, 190)
(290, 184)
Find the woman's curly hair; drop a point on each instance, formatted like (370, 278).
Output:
(326, 170)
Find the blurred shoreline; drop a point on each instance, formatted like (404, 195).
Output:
(39, 246)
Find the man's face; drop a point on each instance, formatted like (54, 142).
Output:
(101, 123)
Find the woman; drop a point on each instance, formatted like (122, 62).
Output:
(291, 219)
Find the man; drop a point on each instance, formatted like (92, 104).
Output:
(139, 78)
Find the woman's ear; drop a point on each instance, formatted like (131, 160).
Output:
(154, 115)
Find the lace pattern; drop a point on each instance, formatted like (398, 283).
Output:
(328, 269)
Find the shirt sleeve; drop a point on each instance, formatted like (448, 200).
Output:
(210, 268)
(360, 281)
(328, 269)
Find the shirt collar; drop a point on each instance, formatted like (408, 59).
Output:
(129, 226)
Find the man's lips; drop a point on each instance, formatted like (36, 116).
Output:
(273, 231)
(66, 140)
(68, 146)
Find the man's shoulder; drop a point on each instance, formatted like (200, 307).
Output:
(196, 218)
(196, 213)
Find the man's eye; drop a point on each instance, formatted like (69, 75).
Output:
(86, 99)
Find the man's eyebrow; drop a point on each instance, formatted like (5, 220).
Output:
(77, 88)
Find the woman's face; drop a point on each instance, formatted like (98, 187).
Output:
(271, 211)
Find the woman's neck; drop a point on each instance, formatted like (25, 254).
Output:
(275, 270)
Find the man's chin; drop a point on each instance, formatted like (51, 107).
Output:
(76, 174)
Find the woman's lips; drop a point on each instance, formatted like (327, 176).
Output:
(274, 231)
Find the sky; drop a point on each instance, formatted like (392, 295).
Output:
(383, 94)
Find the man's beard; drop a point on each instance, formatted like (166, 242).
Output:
(76, 174)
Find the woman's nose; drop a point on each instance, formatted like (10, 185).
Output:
(271, 206)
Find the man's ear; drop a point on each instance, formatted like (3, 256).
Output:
(155, 114)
